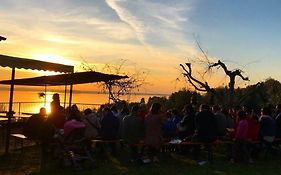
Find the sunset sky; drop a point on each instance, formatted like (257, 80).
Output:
(152, 35)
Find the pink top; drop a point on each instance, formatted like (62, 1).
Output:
(72, 124)
(242, 130)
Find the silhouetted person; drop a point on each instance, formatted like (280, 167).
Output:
(57, 115)
(278, 120)
(34, 127)
(153, 130)
(74, 121)
(221, 121)
(205, 130)
(205, 125)
(109, 128)
(132, 131)
(92, 123)
(186, 126)
(240, 144)
(267, 126)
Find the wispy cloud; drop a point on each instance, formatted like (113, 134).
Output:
(127, 17)
(154, 22)
(147, 32)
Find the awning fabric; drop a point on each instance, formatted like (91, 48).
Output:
(65, 79)
(15, 62)
(2, 38)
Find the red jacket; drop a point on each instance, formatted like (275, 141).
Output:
(253, 129)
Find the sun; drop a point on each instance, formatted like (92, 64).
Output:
(54, 58)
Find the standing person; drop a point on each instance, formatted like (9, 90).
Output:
(205, 125)
(57, 115)
(109, 128)
(205, 130)
(253, 132)
(221, 121)
(240, 144)
(142, 109)
(278, 120)
(267, 129)
(153, 131)
(132, 131)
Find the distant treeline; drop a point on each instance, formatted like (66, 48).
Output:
(267, 93)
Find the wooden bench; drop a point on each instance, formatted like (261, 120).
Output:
(19, 137)
(106, 141)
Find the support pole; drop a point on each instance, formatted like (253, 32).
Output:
(11, 112)
(45, 99)
(70, 90)
(64, 101)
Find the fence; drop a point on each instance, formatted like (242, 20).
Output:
(33, 107)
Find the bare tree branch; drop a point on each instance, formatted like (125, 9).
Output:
(199, 85)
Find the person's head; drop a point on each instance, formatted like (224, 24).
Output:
(266, 111)
(278, 108)
(56, 97)
(43, 112)
(135, 109)
(241, 115)
(114, 108)
(125, 111)
(87, 111)
(155, 108)
(175, 112)
(204, 107)
(74, 113)
(188, 110)
(216, 108)
(247, 109)
(106, 111)
(74, 108)
(142, 100)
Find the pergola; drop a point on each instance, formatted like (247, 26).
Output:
(2, 38)
(70, 78)
(24, 63)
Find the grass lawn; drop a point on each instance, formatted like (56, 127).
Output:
(28, 162)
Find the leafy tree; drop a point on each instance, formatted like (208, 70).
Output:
(182, 97)
(162, 100)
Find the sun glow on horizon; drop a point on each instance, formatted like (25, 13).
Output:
(54, 58)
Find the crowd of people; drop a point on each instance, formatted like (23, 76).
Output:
(147, 128)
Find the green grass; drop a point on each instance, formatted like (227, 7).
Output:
(170, 164)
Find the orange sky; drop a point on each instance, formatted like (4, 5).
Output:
(157, 41)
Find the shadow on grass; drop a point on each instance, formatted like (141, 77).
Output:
(29, 162)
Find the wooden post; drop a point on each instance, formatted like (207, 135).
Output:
(70, 90)
(10, 113)
(64, 101)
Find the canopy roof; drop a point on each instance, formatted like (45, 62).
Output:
(15, 62)
(2, 38)
(65, 79)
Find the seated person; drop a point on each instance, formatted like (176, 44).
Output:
(74, 121)
(92, 124)
(33, 128)
(133, 131)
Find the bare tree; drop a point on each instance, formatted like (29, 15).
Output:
(203, 86)
(124, 87)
